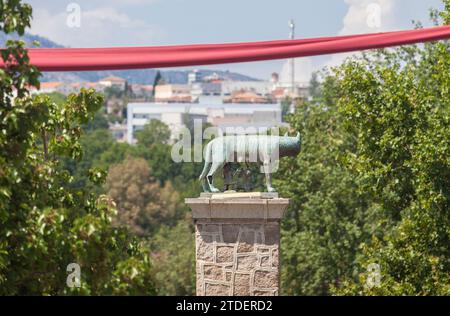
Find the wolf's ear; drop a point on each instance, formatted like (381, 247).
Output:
(286, 134)
(298, 135)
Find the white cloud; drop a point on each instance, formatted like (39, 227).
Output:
(99, 27)
(360, 15)
(364, 16)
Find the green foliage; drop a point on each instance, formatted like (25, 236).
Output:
(397, 104)
(57, 97)
(94, 144)
(15, 16)
(143, 205)
(98, 122)
(445, 14)
(114, 92)
(153, 145)
(174, 260)
(371, 185)
(325, 225)
(154, 133)
(158, 79)
(44, 224)
(314, 85)
(286, 104)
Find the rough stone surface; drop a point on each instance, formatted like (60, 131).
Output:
(265, 261)
(241, 284)
(267, 279)
(246, 262)
(212, 272)
(217, 289)
(237, 258)
(225, 254)
(237, 244)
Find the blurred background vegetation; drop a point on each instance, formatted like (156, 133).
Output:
(371, 184)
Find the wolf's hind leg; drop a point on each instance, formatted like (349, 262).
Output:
(205, 186)
(215, 166)
(203, 179)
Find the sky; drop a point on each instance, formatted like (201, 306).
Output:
(107, 23)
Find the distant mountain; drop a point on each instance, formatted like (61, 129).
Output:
(144, 76)
(29, 39)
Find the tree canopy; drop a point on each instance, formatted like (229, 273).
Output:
(44, 224)
(371, 186)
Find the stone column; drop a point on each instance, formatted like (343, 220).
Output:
(237, 243)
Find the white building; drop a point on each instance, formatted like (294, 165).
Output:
(173, 93)
(49, 87)
(113, 81)
(259, 87)
(193, 77)
(206, 92)
(221, 115)
(303, 69)
(119, 132)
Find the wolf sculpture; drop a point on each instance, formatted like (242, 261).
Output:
(262, 149)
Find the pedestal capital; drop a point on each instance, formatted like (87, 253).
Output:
(237, 207)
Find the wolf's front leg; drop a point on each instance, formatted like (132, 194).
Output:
(269, 182)
(268, 173)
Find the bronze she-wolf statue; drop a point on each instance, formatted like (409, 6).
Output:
(265, 150)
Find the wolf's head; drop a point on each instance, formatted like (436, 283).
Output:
(290, 146)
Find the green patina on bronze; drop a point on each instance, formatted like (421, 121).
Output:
(224, 152)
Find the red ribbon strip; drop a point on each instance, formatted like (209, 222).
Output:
(85, 59)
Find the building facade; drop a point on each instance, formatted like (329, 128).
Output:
(224, 116)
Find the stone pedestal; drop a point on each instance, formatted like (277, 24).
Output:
(237, 244)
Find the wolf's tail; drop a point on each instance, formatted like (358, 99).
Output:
(208, 160)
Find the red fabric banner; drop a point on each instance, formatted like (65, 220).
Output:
(84, 59)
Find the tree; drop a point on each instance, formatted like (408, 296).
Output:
(158, 79)
(115, 154)
(326, 222)
(314, 85)
(57, 97)
(44, 223)
(143, 205)
(173, 253)
(153, 134)
(114, 92)
(370, 189)
(94, 144)
(153, 145)
(99, 121)
(286, 104)
(397, 104)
